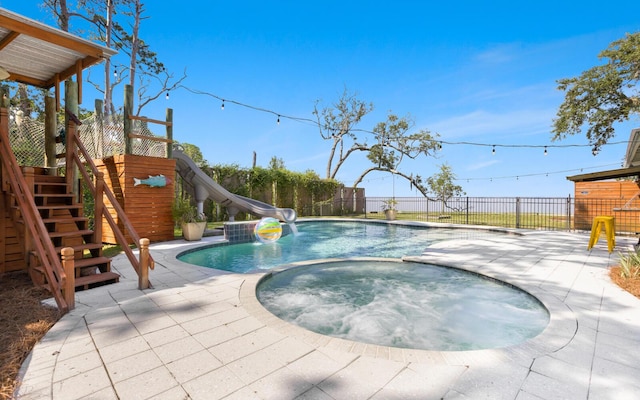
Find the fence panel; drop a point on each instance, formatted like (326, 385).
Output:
(544, 213)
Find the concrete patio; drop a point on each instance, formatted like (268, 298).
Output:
(201, 334)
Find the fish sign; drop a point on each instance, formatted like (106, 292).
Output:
(153, 181)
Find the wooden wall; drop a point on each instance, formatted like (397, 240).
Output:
(12, 257)
(617, 199)
(148, 208)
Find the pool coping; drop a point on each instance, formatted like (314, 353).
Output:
(558, 332)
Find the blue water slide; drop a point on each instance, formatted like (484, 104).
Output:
(205, 187)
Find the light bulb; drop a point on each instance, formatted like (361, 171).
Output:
(278, 120)
(545, 151)
(494, 150)
(222, 106)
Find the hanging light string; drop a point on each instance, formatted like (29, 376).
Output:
(516, 177)
(310, 121)
(224, 101)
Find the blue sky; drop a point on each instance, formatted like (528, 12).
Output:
(470, 71)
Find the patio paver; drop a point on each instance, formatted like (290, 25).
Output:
(201, 333)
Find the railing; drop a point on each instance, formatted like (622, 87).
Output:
(35, 229)
(545, 213)
(98, 190)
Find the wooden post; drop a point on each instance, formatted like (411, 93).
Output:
(98, 208)
(98, 132)
(29, 178)
(127, 112)
(71, 105)
(170, 132)
(50, 133)
(69, 289)
(4, 129)
(143, 277)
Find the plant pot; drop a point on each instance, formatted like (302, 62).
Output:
(390, 214)
(193, 230)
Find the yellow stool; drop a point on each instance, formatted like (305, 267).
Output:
(609, 226)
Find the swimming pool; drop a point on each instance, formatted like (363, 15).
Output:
(328, 239)
(403, 304)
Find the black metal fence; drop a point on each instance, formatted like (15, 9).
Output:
(544, 213)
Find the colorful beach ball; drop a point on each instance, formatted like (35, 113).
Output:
(268, 230)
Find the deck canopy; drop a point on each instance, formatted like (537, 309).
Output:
(42, 56)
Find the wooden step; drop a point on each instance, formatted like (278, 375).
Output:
(91, 262)
(90, 281)
(61, 219)
(84, 262)
(84, 282)
(53, 199)
(40, 178)
(60, 207)
(81, 247)
(83, 232)
(54, 195)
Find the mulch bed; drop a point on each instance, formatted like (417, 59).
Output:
(23, 321)
(631, 285)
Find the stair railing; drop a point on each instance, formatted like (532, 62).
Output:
(34, 227)
(97, 190)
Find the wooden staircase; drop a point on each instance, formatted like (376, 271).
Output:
(67, 226)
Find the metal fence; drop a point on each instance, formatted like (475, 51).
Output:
(543, 213)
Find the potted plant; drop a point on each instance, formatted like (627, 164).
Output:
(190, 220)
(389, 208)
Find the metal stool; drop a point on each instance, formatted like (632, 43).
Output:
(609, 226)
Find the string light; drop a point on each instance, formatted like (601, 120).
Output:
(278, 120)
(546, 174)
(545, 151)
(440, 143)
(167, 96)
(115, 73)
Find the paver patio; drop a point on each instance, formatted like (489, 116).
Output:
(200, 333)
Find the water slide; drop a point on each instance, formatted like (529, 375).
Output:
(205, 187)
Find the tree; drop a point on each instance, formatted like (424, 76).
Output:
(143, 64)
(337, 124)
(602, 95)
(276, 163)
(194, 153)
(391, 140)
(442, 186)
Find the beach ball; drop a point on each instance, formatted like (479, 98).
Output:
(268, 230)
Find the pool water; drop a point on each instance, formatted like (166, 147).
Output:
(328, 239)
(402, 304)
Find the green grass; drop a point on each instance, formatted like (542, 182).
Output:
(507, 220)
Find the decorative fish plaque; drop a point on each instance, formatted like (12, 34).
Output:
(153, 181)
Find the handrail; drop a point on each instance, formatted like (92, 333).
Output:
(44, 248)
(153, 121)
(120, 237)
